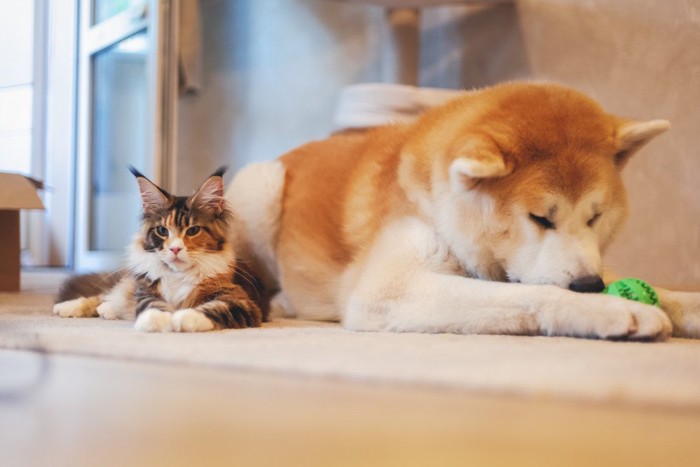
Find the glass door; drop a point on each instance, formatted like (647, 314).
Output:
(123, 110)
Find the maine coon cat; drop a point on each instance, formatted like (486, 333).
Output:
(182, 272)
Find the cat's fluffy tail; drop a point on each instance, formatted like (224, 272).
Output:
(89, 285)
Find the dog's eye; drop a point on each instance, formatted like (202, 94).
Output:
(192, 231)
(593, 220)
(162, 231)
(542, 222)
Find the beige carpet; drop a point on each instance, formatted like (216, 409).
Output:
(659, 374)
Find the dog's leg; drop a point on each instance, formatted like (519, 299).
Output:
(280, 307)
(683, 308)
(255, 197)
(405, 285)
(444, 303)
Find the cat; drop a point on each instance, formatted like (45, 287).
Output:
(182, 274)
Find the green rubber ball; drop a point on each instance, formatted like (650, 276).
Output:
(633, 289)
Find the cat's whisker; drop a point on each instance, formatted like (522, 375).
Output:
(247, 277)
(108, 277)
(243, 273)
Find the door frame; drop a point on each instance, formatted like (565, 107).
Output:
(158, 17)
(52, 242)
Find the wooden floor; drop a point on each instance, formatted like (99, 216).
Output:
(78, 411)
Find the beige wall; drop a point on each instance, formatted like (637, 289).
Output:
(640, 59)
(273, 70)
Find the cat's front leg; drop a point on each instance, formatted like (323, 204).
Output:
(154, 320)
(153, 313)
(81, 307)
(119, 303)
(231, 309)
(191, 320)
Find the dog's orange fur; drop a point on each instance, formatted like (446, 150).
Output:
(333, 213)
(339, 210)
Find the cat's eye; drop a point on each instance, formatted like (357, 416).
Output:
(593, 219)
(192, 231)
(162, 231)
(542, 222)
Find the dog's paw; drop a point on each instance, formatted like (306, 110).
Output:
(153, 320)
(280, 307)
(191, 320)
(607, 317)
(78, 308)
(650, 321)
(620, 318)
(683, 308)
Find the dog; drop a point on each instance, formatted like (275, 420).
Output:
(487, 215)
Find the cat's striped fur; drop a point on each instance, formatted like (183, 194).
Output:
(182, 274)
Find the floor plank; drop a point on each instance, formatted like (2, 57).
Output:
(78, 411)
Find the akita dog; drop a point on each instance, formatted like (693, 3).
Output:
(489, 214)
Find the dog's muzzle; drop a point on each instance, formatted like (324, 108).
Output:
(587, 284)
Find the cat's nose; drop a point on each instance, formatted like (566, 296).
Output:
(175, 250)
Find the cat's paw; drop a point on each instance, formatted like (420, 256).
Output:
(109, 310)
(78, 308)
(153, 320)
(191, 320)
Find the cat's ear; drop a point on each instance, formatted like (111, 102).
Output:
(153, 197)
(210, 196)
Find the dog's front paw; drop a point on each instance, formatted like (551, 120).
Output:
(280, 307)
(78, 308)
(607, 317)
(650, 321)
(191, 320)
(631, 320)
(153, 320)
(683, 308)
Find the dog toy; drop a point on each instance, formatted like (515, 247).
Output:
(633, 289)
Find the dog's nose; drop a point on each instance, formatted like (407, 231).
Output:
(585, 284)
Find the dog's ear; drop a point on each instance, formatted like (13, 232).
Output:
(476, 160)
(631, 136)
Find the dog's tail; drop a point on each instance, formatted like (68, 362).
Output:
(255, 197)
(89, 285)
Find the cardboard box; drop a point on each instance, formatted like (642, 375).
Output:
(16, 192)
